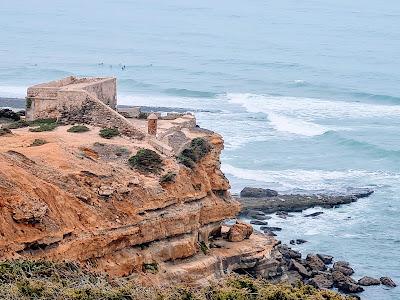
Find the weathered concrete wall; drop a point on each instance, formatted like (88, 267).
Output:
(43, 99)
(105, 91)
(87, 109)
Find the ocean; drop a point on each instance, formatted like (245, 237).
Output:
(305, 93)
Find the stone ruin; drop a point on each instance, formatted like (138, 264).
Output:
(93, 100)
(79, 100)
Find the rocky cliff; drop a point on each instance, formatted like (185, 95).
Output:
(76, 198)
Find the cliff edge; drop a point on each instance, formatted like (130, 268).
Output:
(75, 197)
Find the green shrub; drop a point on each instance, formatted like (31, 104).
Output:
(17, 124)
(78, 128)
(4, 131)
(203, 247)
(38, 142)
(44, 127)
(109, 133)
(27, 280)
(150, 267)
(28, 102)
(39, 122)
(198, 148)
(146, 161)
(167, 178)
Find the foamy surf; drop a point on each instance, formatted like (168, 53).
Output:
(295, 126)
(311, 180)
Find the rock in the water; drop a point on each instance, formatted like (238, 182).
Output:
(283, 214)
(258, 215)
(316, 214)
(345, 283)
(315, 263)
(269, 233)
(297, 242)
(270, 228)
(343, 267)
(321, 281)
(388, 282)
(257, 222)
(249, 192)
(288, 252)
(327, 259)
(367, 281)
(239, 231)
(295, 265)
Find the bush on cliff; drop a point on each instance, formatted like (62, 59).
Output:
(146, 161)
(38, 142)
(23, 280)
(43, 125)
(198, 148)
(78, 128)
(168, 178)
(4, 131)
(109, 133)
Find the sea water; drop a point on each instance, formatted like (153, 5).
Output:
(305, 93)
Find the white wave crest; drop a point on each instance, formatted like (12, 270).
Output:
(296, 126)
(311, 179)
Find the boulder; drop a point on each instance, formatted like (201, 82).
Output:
(388, 282)
(249, 192)
(343, 267)
(345, 284)
(321, 281)
(315, 263)
(327, 259)
(270, 228)
(367, 281)
(269, 233)
(257, 222)
(239, 231)
(289, 253)
(297, 242)
(316, 214)
(295, 265)
(105, 190)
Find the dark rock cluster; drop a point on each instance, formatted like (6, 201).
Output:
(317, 270)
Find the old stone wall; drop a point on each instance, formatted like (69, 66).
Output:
(81, 107)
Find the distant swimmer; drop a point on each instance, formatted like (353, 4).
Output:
(123, 67)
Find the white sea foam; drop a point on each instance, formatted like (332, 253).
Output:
(311, 179)
(12, 91)
(296, 126)
(302, 115)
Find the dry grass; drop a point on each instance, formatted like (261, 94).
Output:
(25, 280)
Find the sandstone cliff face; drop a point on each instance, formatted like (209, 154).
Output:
(76, 198)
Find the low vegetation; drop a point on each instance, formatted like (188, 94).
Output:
(146, 161)
(168, 178)
(4, 131)
(38, 142)
(78, 128)
(18, 124)
(23, 280)
(109, 133)
(198, 148)
(43, 125)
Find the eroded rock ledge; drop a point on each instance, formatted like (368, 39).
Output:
(76, 198)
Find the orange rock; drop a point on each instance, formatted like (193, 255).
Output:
(239, 232)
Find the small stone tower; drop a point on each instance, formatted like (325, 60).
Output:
(152, 124)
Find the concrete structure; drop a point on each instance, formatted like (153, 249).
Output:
(152, 124)
(43, 100)
(79, 100)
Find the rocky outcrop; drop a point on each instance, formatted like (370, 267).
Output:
(388, 282)
(76, 198)
(239, 231)
(257, 193)
(297, 203)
